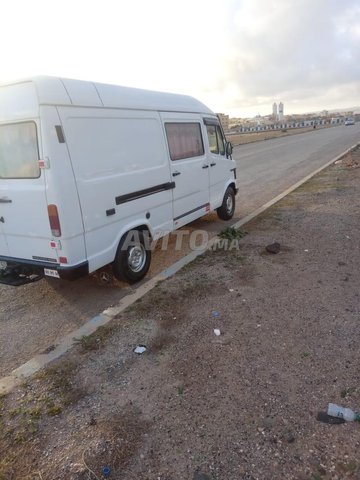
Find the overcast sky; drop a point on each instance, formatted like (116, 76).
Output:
(237, 56)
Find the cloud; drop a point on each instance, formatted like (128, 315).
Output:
(299, 51)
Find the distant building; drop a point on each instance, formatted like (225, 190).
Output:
(281, 111)
(274, 111)
(224, 120)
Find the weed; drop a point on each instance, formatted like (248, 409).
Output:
(347, 392)
(305, 354)
(35, 413)
(180, 390)
(351, 467)
(54, 410)
(231, 233)
(14, 412)
(96, 340)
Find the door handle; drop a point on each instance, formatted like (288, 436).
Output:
(205, 166)
(2, 220)
(212, 164)
(5, 200)
(175, 174)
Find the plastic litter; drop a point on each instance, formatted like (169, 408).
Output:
(217, 332)
(106, 472)
(231, 289)
(341, 412)
(325, 418)
(139, 349)
(215, 313)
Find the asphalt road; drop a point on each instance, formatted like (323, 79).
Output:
(267, 168)
(34, 317)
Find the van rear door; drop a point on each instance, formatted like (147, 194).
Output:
(23, 206)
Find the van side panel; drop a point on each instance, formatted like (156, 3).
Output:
(122, 174)
(61, 189)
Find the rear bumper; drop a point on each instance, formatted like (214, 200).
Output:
(65, 272)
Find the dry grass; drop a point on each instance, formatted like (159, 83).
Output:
(242, 138)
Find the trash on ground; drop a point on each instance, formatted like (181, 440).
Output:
(231, 289)
(306, 250)
(217, 332)
(325, 418)
(106, 471)
(273, 247)
(215, 313)
(139, 349)
(341, 412)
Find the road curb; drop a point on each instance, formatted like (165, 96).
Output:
(38, 362)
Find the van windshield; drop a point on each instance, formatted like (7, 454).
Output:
(19, 155)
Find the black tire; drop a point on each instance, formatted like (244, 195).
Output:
(133, 257)
(227, 209)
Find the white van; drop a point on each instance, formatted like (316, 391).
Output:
(82, 164)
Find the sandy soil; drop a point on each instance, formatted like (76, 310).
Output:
(242, 405)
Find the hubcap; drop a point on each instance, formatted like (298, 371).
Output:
(229, 204)
(136, 257)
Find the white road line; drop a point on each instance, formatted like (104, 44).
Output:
(38, 362)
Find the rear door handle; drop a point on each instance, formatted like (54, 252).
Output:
(175, 174)
(205, 166)
(212, 164)
(5, 200)
(2, 220)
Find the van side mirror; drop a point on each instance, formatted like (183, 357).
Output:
(229, 149)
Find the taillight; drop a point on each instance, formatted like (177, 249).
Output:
(54, 220)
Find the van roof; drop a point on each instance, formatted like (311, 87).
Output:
(64, 91)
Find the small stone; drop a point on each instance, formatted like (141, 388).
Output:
(273, 248)
(92, 421)
(200, 476)
(291, 439)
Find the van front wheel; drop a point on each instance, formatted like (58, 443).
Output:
(133, 257)
(227, 209)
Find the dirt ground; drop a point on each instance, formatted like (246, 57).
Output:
(242, 138)
(197, 406)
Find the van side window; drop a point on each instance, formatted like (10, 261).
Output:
(216, 139)
(213, 144)
(185, 140)
(19, 156)
(220, 140)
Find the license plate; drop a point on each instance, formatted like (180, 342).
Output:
(51, 273)
(3, 265)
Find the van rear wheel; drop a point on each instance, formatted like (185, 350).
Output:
(227, 209)
(133, 257)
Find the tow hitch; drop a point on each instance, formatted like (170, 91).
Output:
(16, 275)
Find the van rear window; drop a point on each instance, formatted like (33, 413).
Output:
(19, 155)
(185, 140)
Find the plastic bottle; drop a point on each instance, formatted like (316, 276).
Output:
(341, 412)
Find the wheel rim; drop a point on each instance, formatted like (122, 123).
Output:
(136, 258)
(229, 204)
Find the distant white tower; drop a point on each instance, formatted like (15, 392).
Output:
(281, 111)
(274, 111)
